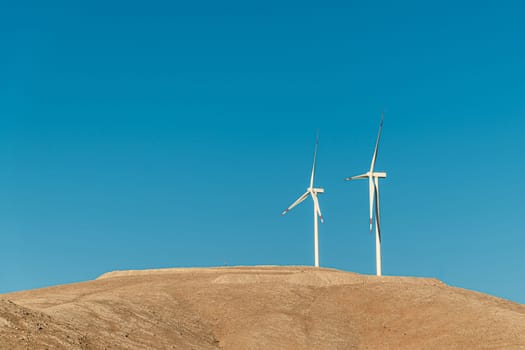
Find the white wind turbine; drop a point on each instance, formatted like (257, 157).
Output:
(312, 191)
(373, 184)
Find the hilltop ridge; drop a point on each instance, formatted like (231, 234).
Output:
(258, 307)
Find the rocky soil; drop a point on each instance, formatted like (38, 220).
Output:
(258, 308)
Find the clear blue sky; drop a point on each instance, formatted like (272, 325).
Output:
(169, 134)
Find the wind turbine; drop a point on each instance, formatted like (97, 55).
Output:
(373, 185)
(312, 191)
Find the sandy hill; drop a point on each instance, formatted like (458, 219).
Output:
(258, 308)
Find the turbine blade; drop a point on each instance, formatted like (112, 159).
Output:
(363, 176)
(371, 189)
(378, 216)
(299, 200)
(315, 157)
(317, 207)
(377, 143)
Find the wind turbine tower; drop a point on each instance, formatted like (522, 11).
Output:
(312, 191)
(373, 185)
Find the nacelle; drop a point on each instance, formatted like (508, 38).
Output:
(379, 174)
(316, 190)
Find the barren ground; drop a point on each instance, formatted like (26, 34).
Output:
(258, 308)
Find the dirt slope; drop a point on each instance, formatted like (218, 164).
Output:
(258, 308)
